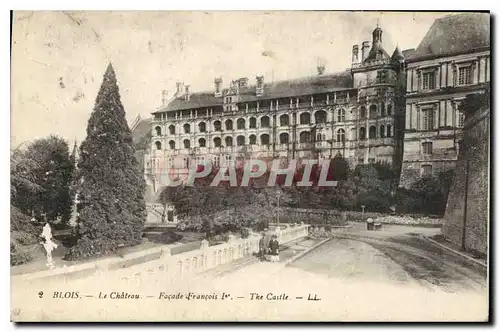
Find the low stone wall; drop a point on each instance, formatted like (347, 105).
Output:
(313, 216)
(407, 220)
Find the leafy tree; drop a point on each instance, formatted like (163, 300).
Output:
(53, 174)
(23, 231)
(111, 207)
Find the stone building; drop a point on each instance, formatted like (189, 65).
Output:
(452, 60)
(358, 113)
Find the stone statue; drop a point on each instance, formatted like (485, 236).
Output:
(48, 244)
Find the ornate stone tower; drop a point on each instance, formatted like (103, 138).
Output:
(377, 76)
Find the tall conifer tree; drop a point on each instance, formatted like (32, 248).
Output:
(111, 206)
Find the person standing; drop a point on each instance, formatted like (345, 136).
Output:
(262, 247)
(274, 249)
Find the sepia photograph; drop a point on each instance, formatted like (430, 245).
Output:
(250, 166)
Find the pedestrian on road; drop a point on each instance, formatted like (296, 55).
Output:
(274, 249)
(262, 247)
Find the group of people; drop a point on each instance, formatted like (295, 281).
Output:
(269, 248)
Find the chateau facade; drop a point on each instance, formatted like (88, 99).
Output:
(356, 113)
(400, 108)
(452, 61)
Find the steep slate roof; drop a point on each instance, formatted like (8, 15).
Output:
(288, 88)
(408, 53)
(455, 34)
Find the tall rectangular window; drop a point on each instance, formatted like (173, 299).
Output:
(429, 80)
(465, 75)
(427, 148)
(428, 119)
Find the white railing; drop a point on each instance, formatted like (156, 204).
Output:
(176, 267)
(207, 257)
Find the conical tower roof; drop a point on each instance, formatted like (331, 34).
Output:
(397, 55)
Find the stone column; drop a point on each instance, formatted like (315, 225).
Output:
(482, 70)
(414, 116)
(488, 70)
(449, 113)
(449, 74)
(442, 113)
(436, 115)
(408, 116)
(408, 81)
(443, 75)
(415, 86)
(438, 78)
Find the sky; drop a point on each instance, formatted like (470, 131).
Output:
(59, 58)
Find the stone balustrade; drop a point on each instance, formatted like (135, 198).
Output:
(207, 257)
(159, 260)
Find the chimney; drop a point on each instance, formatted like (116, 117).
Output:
(164, 95)
(179, 88)
(321, 69)
(186, 95)
(259, 89)
(218, 84)
(355, 54)
(365, 48)
(243, 82)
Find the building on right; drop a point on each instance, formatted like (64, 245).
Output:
(452, 61)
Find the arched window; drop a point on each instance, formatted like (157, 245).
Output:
(202, 126)
(284, 138)
(253, 123)
(382, 131)
(240, 123)
(264, 139)
(389, 110)
(217, 126)
(341, 135)
(202, 143)
(320, 116)
(362, 112)
(382, 109)
(252, 139)
(372, 132)
(171, 129)
(341, 115)
(187, 128)
(171, 145)
(158, 131)
(240, 140)
(264, 122)
(373, 111)
(284, 120)
(229, 141)
(187, 144)
(229, 124)
(305, 118)
(389, 131)
(362, 133)
(158, 145)
(217, 142)
(305, 137)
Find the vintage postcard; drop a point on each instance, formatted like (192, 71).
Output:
(277, 166)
